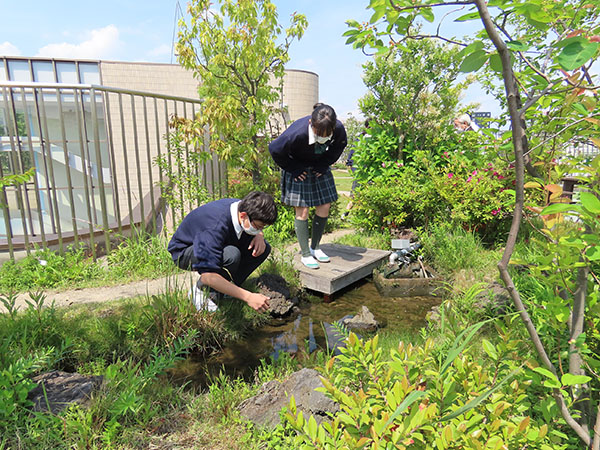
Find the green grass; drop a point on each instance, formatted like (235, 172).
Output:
(343, 180)
(134, 258)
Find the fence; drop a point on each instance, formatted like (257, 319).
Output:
(93, 151)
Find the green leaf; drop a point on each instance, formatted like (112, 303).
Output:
(473, 46)
(580, 108)
(517, 46)
(478, 400)
(545, 372)
(537, 14)
(378, 14)
(557, 208)
(458, 346)
(590, 202)
(571, 380)
(409, 400)
(427, 14)
(489, 348)
(552, 381)
(469, 16)
(593, 253)
(474, 61)
(496, 63)
(577, 53)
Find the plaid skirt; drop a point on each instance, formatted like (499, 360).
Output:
(313, 191)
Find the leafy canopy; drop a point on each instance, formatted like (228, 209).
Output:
(237, 49)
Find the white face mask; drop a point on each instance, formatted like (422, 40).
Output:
(322, 139)
(250, 230)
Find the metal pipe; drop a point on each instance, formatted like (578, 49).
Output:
(126, 163)
(63, 132)
(137, 163)
(80, 113)
(149, 162)
(35, 179)
(113, 165)
(100, 170)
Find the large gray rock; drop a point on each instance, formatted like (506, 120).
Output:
(363, 321)
(62, 389)
(263, 409)
(281, 303)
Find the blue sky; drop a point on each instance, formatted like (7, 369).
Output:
(143, 31)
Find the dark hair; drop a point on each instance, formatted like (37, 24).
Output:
(259, 206)
(323, 119)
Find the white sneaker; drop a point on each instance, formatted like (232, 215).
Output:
(310, 262)
(321, 257)
(201, 300)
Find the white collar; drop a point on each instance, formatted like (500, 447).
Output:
(311, 135)
(235, 219)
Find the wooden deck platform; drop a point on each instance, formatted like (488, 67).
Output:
(348, 264)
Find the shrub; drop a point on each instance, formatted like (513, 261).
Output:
(413, 400)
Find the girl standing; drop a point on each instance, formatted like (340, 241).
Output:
(305, 151)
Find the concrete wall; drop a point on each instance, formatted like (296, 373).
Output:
(168, 79)
(300, 92)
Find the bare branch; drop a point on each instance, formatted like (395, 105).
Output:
(532, 100)
(560, 132)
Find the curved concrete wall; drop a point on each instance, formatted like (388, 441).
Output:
(300, 92)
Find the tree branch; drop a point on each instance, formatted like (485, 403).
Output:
(431, 5)
(560, 132)
(596, 443)
(519, 139)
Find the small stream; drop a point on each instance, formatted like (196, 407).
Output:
(305, 331)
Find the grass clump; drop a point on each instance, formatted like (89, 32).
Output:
(134, 258)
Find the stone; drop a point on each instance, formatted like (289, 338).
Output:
(494, 297)
(263, 409)
(363, 321)
(61, 390)
(276, 288)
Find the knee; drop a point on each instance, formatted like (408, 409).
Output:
(231, 255)
(301, 213)
(323, 210)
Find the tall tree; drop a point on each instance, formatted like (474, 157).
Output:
(414, 90)
(542, 51)
(237, 49)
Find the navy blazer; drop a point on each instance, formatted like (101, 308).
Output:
(209, 228)
(292, 153)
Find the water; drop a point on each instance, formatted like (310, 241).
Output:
(306, 332)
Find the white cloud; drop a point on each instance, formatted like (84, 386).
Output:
(102, 43)
(8, 49)
(161, 50)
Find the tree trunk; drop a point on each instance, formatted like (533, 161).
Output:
(519, 137)
(575, 359)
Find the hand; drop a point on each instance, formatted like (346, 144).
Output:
(257, 245)
(258, 302)
(301, 177)
(320, 172)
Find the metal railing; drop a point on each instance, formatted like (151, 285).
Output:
(93, 150)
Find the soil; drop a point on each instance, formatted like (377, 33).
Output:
(134, 289)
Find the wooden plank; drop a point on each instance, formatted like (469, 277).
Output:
(348, 264)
